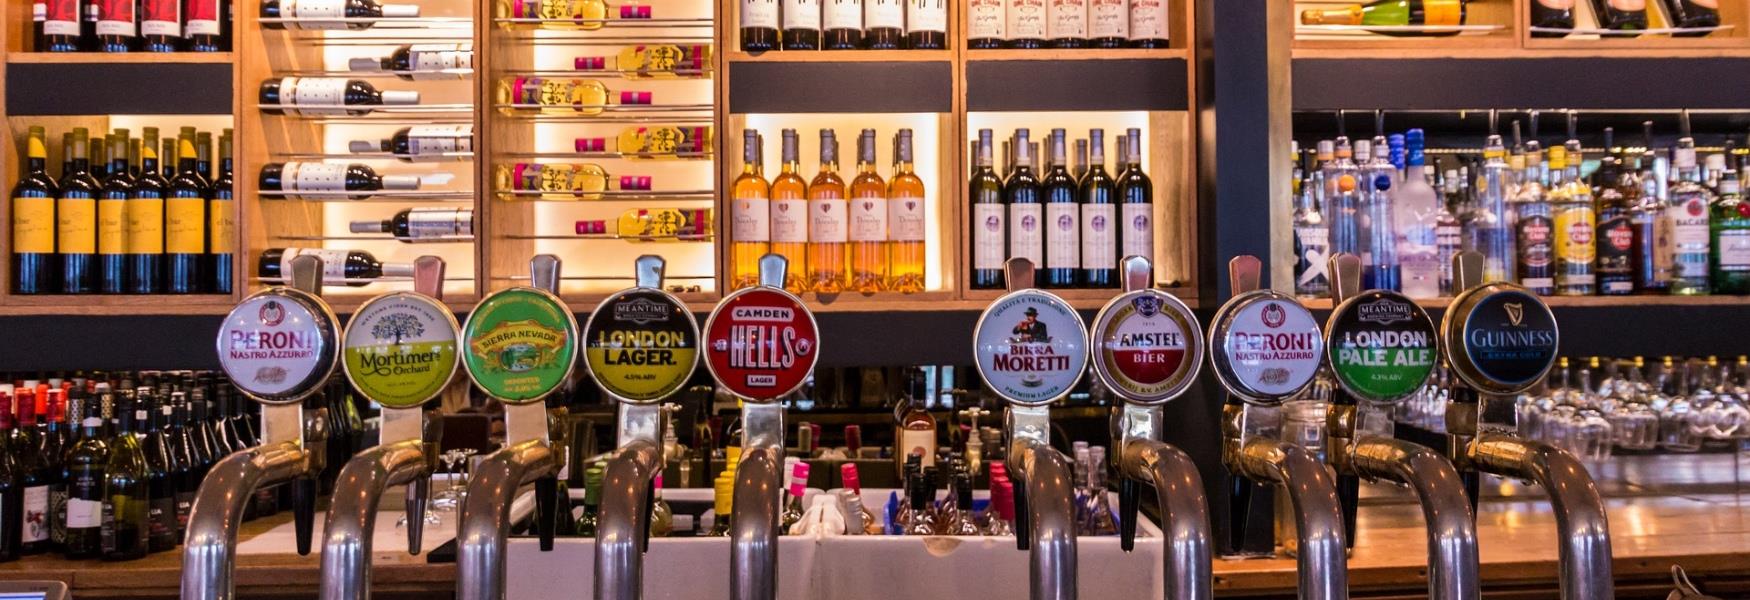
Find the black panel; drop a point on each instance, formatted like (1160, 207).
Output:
(1127, 84)
(841, 87)
(1456, 83)
(130, 88)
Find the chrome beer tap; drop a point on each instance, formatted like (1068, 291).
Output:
(1383, 348)
(278, 346)
(418, 331)
(1266, 348)
(1500, 341)
(519, 346)
(641, 346)
(1150, 349)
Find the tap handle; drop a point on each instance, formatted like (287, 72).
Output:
(428, 276)
(649, 270)
(547, 510)
(1345, 273)
(544, 272)
(1023, 524)
(1019, 273)
(306, 274)
(1467, 270)
(304, 511)
(1129, 496)
(417, 492)
(1139, 274)
(1243, 274)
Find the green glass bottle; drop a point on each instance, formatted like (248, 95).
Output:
(1730, 227)
(125, 528)
(592, 499)
(1389, 13)
(85, 480)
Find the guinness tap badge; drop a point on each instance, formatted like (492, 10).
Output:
(1501, 338)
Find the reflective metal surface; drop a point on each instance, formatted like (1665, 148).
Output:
(209, 552)
(1323, 559)
(352, 517)
(484, 527)
(620, 526)
(1050, 482)
(1452, 531)
(753, 531)
(1583, 526)
(1184, 515)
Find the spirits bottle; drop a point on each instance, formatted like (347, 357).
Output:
(1389, 13)
(1620, 14)
(1099, 218)
(1534, 226)
(750, 215)
(1687, 210)
(1488, 225)
(853, 484)
(1312, 234)
(318, 96)
(1148, 24)
(76, 219)
(655, 61)
(423, 143)
(905, 221)
(801, 24)
(588, 97)
(563, 181)
(759, 25)
(1025, 25)
(1417, 221)
(652, 142)
(652, 225)
(790, 215)
(1731, 238)
(827, 232)
(1099, 519)
(1136, 207)
(1108, 23)
(1552, 15)
(33, 220)
(920, 520)
(793, 507)
(112, 216)
(843, 22)
(867, 221)
(423, 225)
(1379, 252)
(329, 181)
(987, 24)
(54, 453)
(915, 431)
(1066, 23)
(1617, 189)
(1654, 266)
(926, 24)
(989, 214)
(339, 267)
(125, 529)
(1343, 197)
(883, 24)
(1063, 244)
(421, 62)
(315, 14)
(1026, 207)
(585, 15)
(1576, 222)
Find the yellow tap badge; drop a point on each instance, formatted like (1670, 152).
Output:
(641, 345)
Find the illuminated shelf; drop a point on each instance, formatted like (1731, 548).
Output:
(1076, 54)
(840, 56)
(1561, 302)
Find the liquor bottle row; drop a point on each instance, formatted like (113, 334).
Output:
(118, 221)
(1549, 18)
(1073, 221)
(1652, 223)
(865, 237)
(843, 25)
(1066, 24)
(130, 26)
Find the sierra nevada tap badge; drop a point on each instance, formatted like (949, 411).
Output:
(1382, 346)
(641, 344)
(1031, 347)
(520, 344)
(1150, 346)
(400, 349)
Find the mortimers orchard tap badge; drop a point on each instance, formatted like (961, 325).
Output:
(400, 349)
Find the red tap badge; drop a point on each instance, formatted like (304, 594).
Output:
(761, 343)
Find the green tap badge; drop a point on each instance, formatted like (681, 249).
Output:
(641, 345)
(520, 344)
(400, 349)
(1382, 346)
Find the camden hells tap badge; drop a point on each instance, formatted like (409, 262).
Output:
(1149, 346)
(1382, 346)
(641, 345)
(520, 344)
(1267, 346)
(278, 345)
(1031, 347)
(761, 343)
(400, 349)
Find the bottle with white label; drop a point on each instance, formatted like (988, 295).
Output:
(986, 24)
(1136, 231)
(1026, 208)
(759, 25)
(330, 14)
(905, 221)
(750, 215)
(423, 143)
(828, 262)
(161, 26)
(926, 24)
(790, 214)
(1025, 23)
(423, 225)
(1148, 23)
(317, 96)
(421, 62)
(85, 478)
(883, 24)
(1108, 23)
(329, 181)
(339, 267)
(843, 22)
(117, 27)
(1066, 23)
(868, 221)
(989, 222)
(1063, 229)
(801, 24)
(1099, 199)
(1687, 208)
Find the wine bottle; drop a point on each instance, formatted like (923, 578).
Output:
(652, 225)
(926, 24)
(1392, 13)
(1026, 209)
(145, 221)
(658, 61)
(112, 204)
(1026, 23)
(1693, 14)
(652, 142)
(54, 453)
(1099, 197)
(1621, 15)
(91, 11)
(562, 96)
(162, 534)
(85, 480)
(1136, 232)
(76, 219)
(117, 26)
(315, 14)
(801, 19)
(417, 225)
(221, 222)
(562, 181)
(866, 221)
(126, 528)
(62, 27)
(1066, 23)
(1063, 228)
(790, 213)
(11, 488)
(989, 214)
(423, 143)
(1552, 15)
(33, 479)
(328, 181)
(349, 267)
(883, 24)
(750, 215)
(905, 221)
(200, 428)
(421, 62)
(1148, 23)
(759, 25)
(33, 220)
(327, 96)
(1108, 23)
(208, 25)
(161, 25)
(843, 22)
(185, 221)
(566, 14)
(183, 476)
(987, 24)
(828, 262)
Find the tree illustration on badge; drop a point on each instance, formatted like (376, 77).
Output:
(397, 328)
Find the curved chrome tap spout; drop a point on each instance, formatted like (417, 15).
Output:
(621, 524)
(1184, 515)
(209, 553)
(1051, 517)
(1323, 559)
(485, 518)
(1581, 522)
(1452, 530)
(753, 534)
(352, 517)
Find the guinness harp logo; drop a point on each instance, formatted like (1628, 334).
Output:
(1515, 313)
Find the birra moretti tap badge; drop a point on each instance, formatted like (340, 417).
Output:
(1383, 346)
(400, 349)
(520, 344)
(278, 345)
(761, 343)
(641, 345)
(1267, 346)
(1031, 347)
(1149, 346)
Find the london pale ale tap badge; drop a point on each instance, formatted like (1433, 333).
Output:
(641, 344)
(1382, 347)
(400, 349)
(1030, 345)
(520, 344)
(1148, 345)
(1501, 339)
(762, 342)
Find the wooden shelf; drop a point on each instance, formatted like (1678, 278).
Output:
(161, 304)
(124, 58)
(1078, 54)
(1159, 81)
(1587, 301)
(1519, 78)
(765, 86)
(840, 56)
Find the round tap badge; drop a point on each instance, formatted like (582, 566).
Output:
(761, 343)
(400, 349)
(1031, 347)
(1505, 338)
(278, 345)
(641, 345)
(1265, 347)
(520, 344)
(1383, 346)
(1149, 346)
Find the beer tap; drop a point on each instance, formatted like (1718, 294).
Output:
(1382, 348)
(1500, 341)
(278, 346)
(415, 333)
(1150, 348)
(519, 346)
(1031, 349)
(641, 346)
(1266, 348)
(761, 344)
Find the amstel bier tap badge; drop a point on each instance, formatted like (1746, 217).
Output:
(1031, 347)
(761, 343)
(1149, 346)
(641, 345)
(279, 345)
(400, 349)
(1382, 347)
(1501, 338)
(520, 344)
(1265, 347)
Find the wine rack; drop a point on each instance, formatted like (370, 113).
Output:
(1505, 29)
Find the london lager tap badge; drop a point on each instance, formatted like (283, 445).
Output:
(641, 345)
(1149, 346)
(1266, 346)
(1383, 346)
(278, 345)
(761, 343)
(1031, 347)
(520, 344)
(400, 349)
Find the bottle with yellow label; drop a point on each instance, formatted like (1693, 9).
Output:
(653, 61)
(145, 220)
(33, 220)
(562, 181)
(652, 142)
(562, 96)
(185, 221)
(565, 14)
(111, 215)
(221, 222)
(1576, 223)
(653, 225)
(76, 218)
